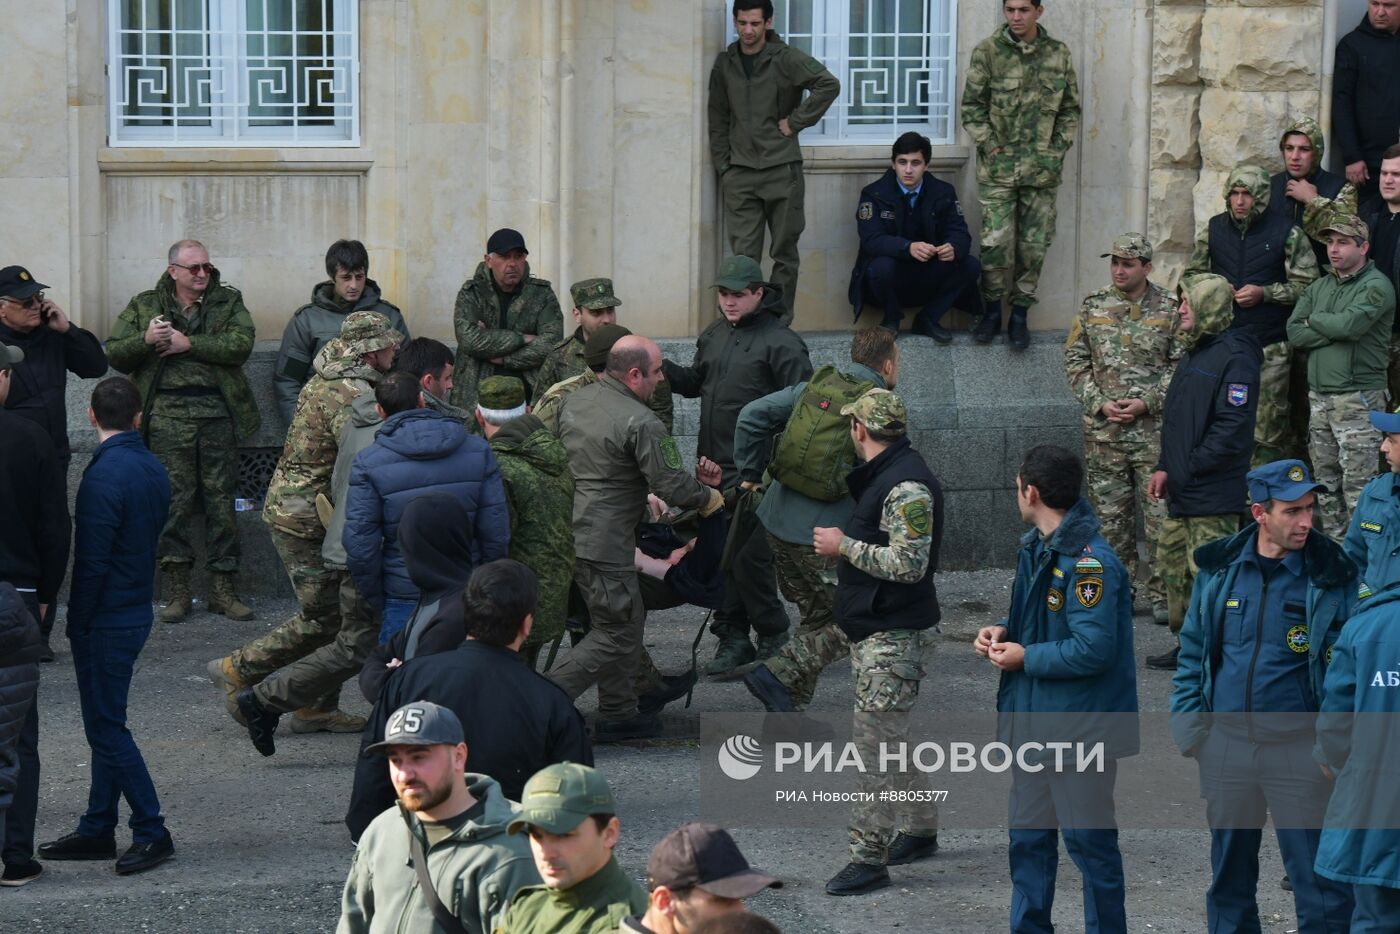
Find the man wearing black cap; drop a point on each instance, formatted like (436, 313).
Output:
(506, 320)
(441, 860)
(695, 873)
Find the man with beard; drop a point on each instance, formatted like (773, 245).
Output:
(443, 845)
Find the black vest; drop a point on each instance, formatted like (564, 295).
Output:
(1328, 186)
(1256, 257)
(866, 604)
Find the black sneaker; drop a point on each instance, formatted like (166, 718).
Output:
(18, 874)
(262, 723)
(765, 686)
(77, 846)
(907, 848)
(1166, 662)
(143, 856)
(1018, 334)
(45, 658)
(857, 879)
(989, 325)
(673, 687)
(642, 726)
(940, 334)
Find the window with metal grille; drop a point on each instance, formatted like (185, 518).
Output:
(233, 73)
(896, 60)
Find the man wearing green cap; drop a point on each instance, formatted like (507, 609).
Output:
(1119, 358)
(343, 369)
(744, 355)
(1344, 322)
(540, 496)
(594, 306)
(570, 814)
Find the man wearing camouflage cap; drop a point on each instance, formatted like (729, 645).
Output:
(888, 554)
(594, 306)
(540, 496)
(1344, 322)
(345, 367)
(1119, 358)
(570, 814)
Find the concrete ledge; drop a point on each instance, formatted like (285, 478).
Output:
(975, 410)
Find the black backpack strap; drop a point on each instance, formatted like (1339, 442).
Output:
(445, 918)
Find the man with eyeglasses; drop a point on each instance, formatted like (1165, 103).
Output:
(53, 347)
(184, 343)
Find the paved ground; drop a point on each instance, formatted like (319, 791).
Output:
(261, 846)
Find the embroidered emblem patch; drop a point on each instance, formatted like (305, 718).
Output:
(670, 453)
(24, 276)
(1298, 639)
(1363, 591)
(1374, 528)
(1237, 394)
(865, 211)
(1088, 565)
(1057, 572)
(917, 518)
(1233, 603)
(1327, 656)
(1295, 473)
(1054, 600)
(886, 215)
(1089, 590)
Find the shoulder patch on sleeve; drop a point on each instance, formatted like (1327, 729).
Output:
(917, 518)
(865, 211)
(1237, 394)
(1089, 591)
(670, 452)
(1088, 564)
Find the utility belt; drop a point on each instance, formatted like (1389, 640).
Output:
(187, 392)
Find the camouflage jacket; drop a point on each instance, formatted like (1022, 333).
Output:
(565, 360)
(547, 408)
(219, 346)
(1022, 101)
(540, 494)
(313, 440)
(482, 335)
(906, 557)
(1119, 349)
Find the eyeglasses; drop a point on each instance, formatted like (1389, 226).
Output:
(207, 268)
(34, 301)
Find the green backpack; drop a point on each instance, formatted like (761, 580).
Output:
(816, 451)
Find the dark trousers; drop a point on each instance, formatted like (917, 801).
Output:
(933, 286)
(24, 806)
(751, 599)
(1377, 909)
(1243, 782)
(104, 660)
(1081, 806)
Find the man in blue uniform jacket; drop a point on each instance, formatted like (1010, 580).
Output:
(1267, 606)
(1373, 538)
(915, 248)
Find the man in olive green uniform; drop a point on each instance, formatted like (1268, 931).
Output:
(757, 109)
(184, 343)
(345, 367)
(1119, 358)
(506, 320)
(540, 494)
(595, 305)
(571, 816)
(1021, 108)
(595, 358)
(315, 324)
(618, 452)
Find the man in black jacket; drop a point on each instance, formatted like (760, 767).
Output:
(914, 243)
(516, 720)
(20, 647)
(1381, 212)
(33, 558)
(1207, 439)
(1366, 93)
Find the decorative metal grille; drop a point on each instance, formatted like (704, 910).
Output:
(255, 467)
(896, 60)
(233, 73)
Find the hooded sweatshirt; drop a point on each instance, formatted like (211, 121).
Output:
(1334, 193)
(1264, 248)
(1208, 417)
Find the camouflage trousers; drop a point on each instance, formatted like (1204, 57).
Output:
(1176, 550)
(1118, 475)
(317, 589)
(1281, 415)
(314, 680)
(1343, 445)
(201, 456)
(888, 668)
(1018, 224)
(807, 581)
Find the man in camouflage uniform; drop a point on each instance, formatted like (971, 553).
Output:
(540, 494)
(184, 343)
(506, 320)
(618, 452)
(1119, 359)
(595, 305)
(1344, 322)
(887, 555)
(1268, 262)
(1304, 191)
(595, 358)
(1021, 108)
(345, 367)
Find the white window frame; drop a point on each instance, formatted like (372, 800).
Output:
(829, 41)
(227, 86)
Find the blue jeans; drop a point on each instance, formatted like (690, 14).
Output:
(103, 660)
(396, 616)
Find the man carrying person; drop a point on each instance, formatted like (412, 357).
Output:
(1366, 93)
(184, 344)
(505, 319)
(320, 321)
(442, 857)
